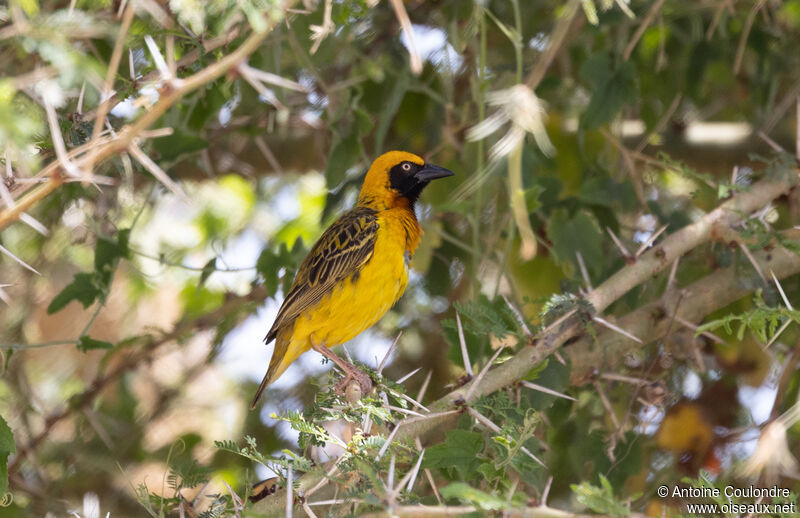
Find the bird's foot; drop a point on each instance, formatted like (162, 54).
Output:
(354, 385)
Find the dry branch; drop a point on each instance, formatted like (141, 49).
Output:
(169, 95)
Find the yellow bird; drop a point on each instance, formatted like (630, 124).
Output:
(357, 269)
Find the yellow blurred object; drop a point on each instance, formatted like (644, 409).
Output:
(685, 429)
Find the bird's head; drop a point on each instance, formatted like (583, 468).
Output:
(396, 179)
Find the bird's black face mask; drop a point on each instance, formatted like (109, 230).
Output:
(409, 179)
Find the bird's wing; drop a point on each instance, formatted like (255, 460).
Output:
(340, 252)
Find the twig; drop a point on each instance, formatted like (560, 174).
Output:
(648, 19)
(748, 24)
(111, 72)
(405, 24)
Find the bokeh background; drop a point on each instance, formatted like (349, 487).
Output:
(134, 306)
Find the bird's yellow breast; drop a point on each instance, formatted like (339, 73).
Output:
(362, 299)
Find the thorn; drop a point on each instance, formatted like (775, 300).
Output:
(33, 223)
(153, 168)
(624, 251)
(18, 260)
(274, 79)
(778, 333)
(413, 401)
(347, 354)
(771, 143)
(308, 510)
(3, 295)
(428, 474)
(559, 321)
(404, 411)
(158, 59)
(686, 323)
(424, 386)
(464, 353)
(390, 476)
(546, 491)
(585, 274)
(79, 108)
(483, 372)
(258, 86)
(58, 142)
(540, 388)
(415, 471)
(606, 404)
(618, 329)
(625, 379)
(752, 260)
(289, 493)
(650, 241)
(387, 443)
(520, 318)
(388, 352)
(407, 376)
(673, 272)
(780, 289)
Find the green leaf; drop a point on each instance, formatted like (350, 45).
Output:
(108, 251)
(613, 89)
(86, 343)
(6, 448)
(459, 450)
(579, 233)
(173, 146)
(600, 499)
(82, 288)
(485, 501)
(345, 153)
(209, 268)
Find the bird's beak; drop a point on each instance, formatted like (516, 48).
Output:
(431, 172)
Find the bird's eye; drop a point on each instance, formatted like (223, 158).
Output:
(406, 167)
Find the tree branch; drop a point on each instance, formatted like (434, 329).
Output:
(169, 95)
(646, 266)
(652, 321)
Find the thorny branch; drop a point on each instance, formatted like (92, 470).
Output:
(658, 258)
(103, 149)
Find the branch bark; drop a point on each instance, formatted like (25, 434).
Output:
(652, 321)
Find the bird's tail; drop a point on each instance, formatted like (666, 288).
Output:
(279, 362)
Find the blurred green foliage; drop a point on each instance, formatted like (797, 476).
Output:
(117, 377)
